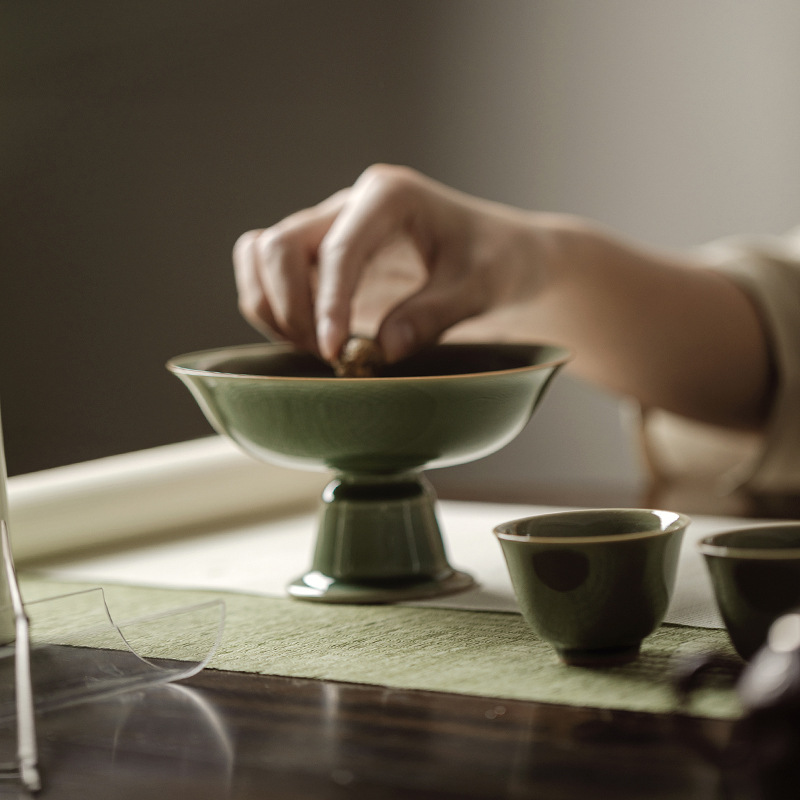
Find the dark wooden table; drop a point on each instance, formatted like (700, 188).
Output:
(229, 735)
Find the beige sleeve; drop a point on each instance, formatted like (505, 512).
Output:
(768, 269)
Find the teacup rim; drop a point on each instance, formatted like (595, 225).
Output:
(561, 356)
(680, 522)
(708, 547)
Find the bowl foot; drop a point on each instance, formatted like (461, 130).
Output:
(321, 588)
(378, 542)
(601, 657)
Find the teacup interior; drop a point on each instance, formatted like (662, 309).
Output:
(779, 538)
(603, 523)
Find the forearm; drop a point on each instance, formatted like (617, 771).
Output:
(662, 329)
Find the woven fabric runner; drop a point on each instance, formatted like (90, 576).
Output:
(483, 653)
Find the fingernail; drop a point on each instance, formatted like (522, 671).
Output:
(397, 341)
(328, 339)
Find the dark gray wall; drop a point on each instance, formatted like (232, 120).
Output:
(137, 140)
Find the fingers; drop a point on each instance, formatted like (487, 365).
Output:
(275, 271)
(253, 300)
(380, 207)
(299, 279)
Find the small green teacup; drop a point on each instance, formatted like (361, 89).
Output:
(594, 583)
(755, 572)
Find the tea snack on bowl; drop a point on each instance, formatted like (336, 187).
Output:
(360, 358)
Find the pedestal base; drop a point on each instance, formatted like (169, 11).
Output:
(378, 542)
(321, 588)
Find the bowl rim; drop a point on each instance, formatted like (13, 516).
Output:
(677, 522)
(709, 547)
(561, 356)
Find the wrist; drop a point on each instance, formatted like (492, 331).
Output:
(564, 245)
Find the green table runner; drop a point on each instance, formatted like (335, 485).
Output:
(479, 653)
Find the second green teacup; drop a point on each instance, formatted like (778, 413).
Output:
(755, 572)
(594, 583)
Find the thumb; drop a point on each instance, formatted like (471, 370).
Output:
(422, 318)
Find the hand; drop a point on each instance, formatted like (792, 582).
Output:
(412, 259)
(397, 251)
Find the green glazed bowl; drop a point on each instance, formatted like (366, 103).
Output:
(378, 539)
(755, 572)
(595, 582)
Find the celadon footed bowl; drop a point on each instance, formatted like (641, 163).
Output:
(378, 539)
